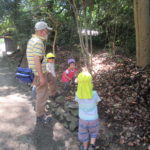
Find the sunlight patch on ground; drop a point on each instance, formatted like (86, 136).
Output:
(12, 145)
(101, 65)
(17, 115)
(4, 68)
(13, 129)
(16, 119)
(3, 73)
(60, 133)
(6, 88)
(15, 97)
(67, 142)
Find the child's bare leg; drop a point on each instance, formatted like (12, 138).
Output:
(85, 144)
(93, 141)
(92, 144)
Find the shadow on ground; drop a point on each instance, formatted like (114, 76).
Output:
(17, 126)
(43, 139)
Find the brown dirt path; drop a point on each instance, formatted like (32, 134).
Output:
(17, 120)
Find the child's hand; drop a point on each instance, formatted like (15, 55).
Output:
(76, 80)
(69, 79)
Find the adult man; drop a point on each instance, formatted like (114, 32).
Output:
(37, 62)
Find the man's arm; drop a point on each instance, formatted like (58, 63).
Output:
(38, 67)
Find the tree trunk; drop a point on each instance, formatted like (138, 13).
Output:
(54, 41)
(142, 27)
(83, 22)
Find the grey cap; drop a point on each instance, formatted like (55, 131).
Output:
(42, 25)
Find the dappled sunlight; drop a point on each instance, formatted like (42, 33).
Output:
(13, 129)
(2, 69)
(17, 97)
(12, 144)
(17, 119)
(4, 74)
(58, 132)
(14, 97)
(100, 64)
(68, 143)
(16, 111)
(13, 113)
(7, 88)
(124, 89)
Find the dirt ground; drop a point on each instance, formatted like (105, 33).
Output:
(18, 130)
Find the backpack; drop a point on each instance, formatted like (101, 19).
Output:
(24, 75)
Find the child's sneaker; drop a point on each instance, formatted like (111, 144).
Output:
(82, 148)
(92, 147)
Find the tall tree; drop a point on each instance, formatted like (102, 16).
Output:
(142, 26)
(83, 15)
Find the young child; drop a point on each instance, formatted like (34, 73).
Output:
(69, 74)
(87, 99)
(50, 67)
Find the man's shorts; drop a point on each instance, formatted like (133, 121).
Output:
(88, 129)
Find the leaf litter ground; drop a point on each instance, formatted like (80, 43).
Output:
(125, 89)
(125, 108)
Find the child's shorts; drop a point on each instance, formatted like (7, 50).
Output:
(88, 129)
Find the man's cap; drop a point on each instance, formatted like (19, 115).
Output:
(42, 25)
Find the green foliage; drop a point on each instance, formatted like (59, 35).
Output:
(112, 18)
(24, 28)
(6, 26)
(68, 34)
(1, 41)
(16, 20)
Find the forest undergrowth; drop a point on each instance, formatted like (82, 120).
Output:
(125, 90)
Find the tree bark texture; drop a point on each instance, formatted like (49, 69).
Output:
(142, 27)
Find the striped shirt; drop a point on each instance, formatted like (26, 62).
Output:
(35, 47)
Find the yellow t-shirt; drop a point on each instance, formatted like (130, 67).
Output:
(35, 47)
